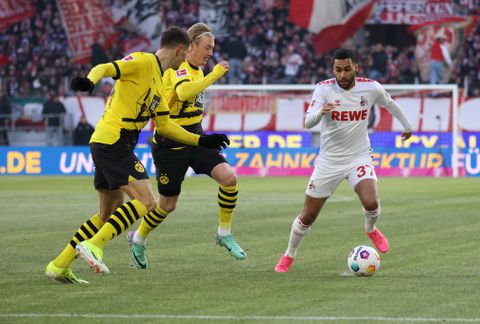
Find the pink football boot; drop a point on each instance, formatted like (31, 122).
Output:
(284, 264)
(379, 240)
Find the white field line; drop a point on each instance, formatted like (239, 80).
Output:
(241, 318)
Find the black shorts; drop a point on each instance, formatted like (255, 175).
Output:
(115, 165)
(173, 163)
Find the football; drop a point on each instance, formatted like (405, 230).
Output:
(363, 260)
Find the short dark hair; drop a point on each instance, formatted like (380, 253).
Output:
(174, 36)
(344, 53)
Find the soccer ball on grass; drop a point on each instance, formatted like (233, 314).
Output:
(363, 260)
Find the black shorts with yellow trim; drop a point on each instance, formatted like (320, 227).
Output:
(173, 163)
(115, 165)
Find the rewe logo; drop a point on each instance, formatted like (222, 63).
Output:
(349, 115)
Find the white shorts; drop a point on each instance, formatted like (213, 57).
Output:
(328, 174)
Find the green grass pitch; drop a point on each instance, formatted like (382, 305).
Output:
(430, 274)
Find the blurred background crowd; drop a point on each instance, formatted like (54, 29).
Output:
(262, 46)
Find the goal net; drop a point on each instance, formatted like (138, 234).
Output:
(266, 126)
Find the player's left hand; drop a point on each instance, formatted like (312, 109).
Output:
(216, 141)
(406, 135)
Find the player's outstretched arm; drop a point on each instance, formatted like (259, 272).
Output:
(190, 89)
(166, 127)
(98, 72)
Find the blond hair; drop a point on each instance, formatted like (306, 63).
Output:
(198, 30)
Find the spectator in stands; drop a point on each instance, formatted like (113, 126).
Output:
(83, 132)
(292, 62)
(5, 112)
(53, 113)
(236, 51)
(378, 69)
(439, 58)
(99, 57)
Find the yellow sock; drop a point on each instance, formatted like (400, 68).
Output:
(151, 221)
(121, 219)
(227, 198)
(85, 232)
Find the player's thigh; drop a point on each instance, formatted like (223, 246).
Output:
(324, 180)
(171, 166)
(361, 168)
(117, 165)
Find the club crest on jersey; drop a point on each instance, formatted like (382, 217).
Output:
(139, 167)
(127, 58)
(337, 103)
(363, 101)
(163, 179)
(181, 73)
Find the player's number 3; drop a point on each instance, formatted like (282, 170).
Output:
(363, 170)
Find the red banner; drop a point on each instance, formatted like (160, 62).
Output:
(333, 21)
(453, 30)
(12, 11)
(84, 22)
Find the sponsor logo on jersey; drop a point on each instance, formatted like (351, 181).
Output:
(181, 73)
(127, 58)
(349, 115)
(155, 102)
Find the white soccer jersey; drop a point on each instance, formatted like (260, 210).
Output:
(343, 131)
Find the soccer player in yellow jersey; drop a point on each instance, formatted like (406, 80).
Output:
(136, 97)
(184, 88)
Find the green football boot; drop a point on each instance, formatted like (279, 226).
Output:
(229, 243)
(139, 256)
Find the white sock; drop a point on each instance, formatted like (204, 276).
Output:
(297, 233)
(371, 217)
(222, 232)
(137, 239)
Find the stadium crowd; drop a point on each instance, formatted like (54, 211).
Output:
(263, 47)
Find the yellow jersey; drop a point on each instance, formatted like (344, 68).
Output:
(190, 111)
(136, 97)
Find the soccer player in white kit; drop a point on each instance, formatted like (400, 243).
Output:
(342, 106)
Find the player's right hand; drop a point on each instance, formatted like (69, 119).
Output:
(225, 65)
(326, 108)
(216, 141)
(220, 69)
(82, 84)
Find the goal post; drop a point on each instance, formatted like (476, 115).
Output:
(432, 109)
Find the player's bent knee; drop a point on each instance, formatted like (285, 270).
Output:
(371, 205)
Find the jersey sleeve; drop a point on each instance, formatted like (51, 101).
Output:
(313, 115)
(130, 66)
(179, 76)
(387, 101)
(383, 97)
(318, 100)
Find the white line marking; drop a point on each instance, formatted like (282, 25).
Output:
(241, 318)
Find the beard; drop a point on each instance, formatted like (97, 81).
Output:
(346, 83)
